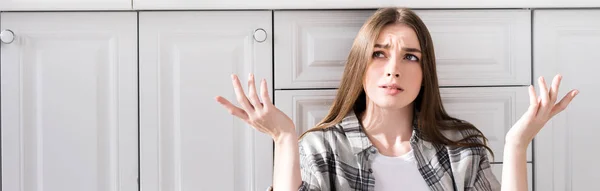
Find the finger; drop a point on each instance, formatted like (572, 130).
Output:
(564, 102)
(532, 95)
(544, 96)
(554, 88)
(252, 93)
(233, 110)
(264, 92)
(240, 96)
(533, 101)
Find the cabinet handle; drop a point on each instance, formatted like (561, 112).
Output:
(7, 36)
(260, 35)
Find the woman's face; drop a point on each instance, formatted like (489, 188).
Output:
(393, 78)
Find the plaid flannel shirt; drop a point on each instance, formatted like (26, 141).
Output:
(339, 158)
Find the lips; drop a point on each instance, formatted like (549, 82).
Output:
(391, 89)
(391, 86)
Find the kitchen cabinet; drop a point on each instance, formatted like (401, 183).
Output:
(565, 42)
(356, 4)
(188, 140)
(473, 48)
(69, 101)
(63, 5)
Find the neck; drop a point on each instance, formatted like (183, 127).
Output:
(388, 129)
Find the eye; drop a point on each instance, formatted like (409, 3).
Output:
(378, 54)
(411, 57)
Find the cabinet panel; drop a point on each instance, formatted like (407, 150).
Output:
(357, 4)
(477, 48)
(566, 42)
(58, 5)
(312, 46)
(473, 48)
(306, 107)
(491, 110)
(69, 102)
(188, 140)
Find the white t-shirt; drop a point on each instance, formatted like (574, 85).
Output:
(397, 173)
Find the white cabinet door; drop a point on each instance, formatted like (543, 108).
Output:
(305, 107)
(312, 46)
(57, 5)
(188, 140)
(481, 47)
(566, 42)
(69, 102)
(356, 4)
(473, 48)
(492, 110)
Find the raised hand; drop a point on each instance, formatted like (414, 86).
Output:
(541, 110)
(264, 117)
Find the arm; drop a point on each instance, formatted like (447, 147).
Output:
(541, 109)
(302, 177)
(514, 168)
(286, 175)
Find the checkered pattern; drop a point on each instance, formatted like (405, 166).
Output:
(339, 158)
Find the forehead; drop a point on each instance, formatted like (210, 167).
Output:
(398, 34)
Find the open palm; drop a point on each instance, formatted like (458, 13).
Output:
(541, 110)
(263, 116)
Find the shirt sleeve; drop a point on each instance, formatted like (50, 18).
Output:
(310, 178)
(485, 179)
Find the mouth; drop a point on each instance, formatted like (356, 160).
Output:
(391, 86)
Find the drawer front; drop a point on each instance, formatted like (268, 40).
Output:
(492, 110)
(473, 48)
(305, 107)
(311, 46)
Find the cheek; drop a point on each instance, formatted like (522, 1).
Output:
(370, 79)
(370, 75)
(416, 77)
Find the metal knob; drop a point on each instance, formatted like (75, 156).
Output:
(7, 36)
(260, 35)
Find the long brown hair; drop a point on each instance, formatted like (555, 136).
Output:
(432, 117)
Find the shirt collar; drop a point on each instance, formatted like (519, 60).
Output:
(357, 137)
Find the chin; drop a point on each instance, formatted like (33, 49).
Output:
(386, 104)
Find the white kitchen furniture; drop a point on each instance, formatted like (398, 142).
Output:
(188, 140)
(69, 101)
(566, 42)
(62, 5)
(84, 92)
(354, 4)
(483, 63)
(473, 48)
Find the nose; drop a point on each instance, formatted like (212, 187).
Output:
(393, 67)
(396, 75)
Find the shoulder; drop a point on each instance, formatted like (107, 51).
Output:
(323, 140)
(471, 143)
(465, 135)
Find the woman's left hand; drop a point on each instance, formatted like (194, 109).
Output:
(541, 109)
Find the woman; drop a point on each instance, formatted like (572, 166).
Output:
(389, 130)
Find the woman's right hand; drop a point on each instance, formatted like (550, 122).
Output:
(264, 117)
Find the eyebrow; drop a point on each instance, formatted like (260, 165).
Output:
(407, 49)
